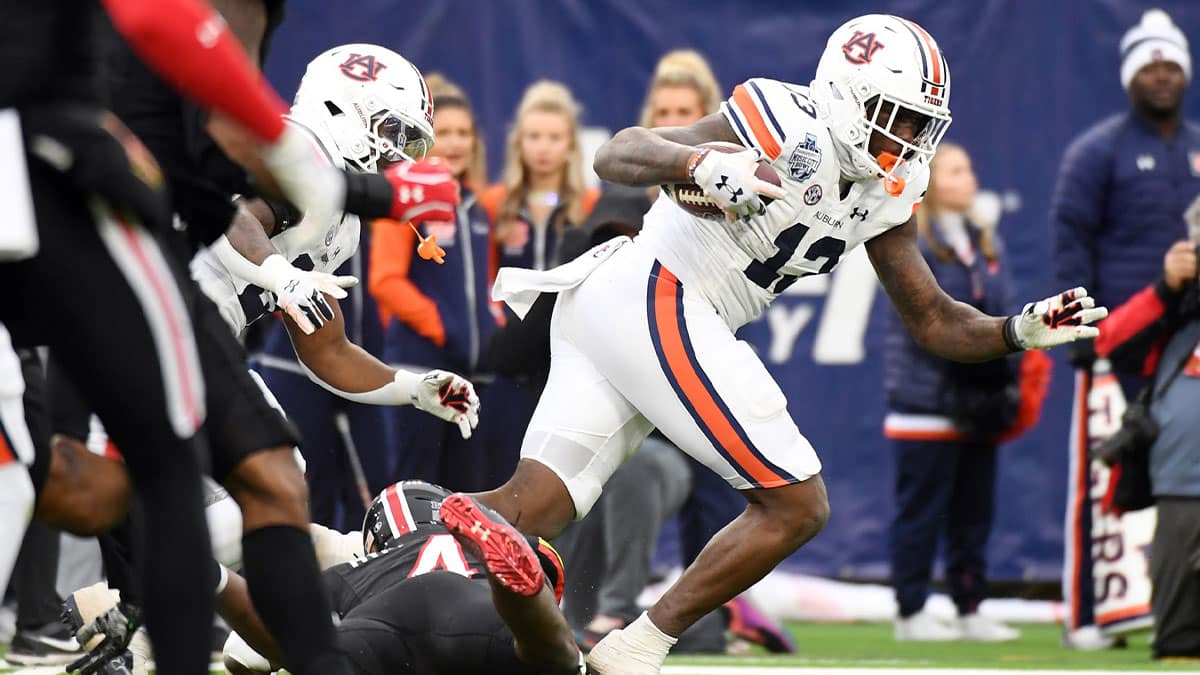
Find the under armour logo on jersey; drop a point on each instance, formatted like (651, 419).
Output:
(363, 68)
(1145, 162)
(723, 184)
(861, 215)
(861, 47)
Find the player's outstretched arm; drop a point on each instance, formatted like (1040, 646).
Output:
(343, 368)
(959, 332)
(940, 324)
(642, 157)
(337, 364)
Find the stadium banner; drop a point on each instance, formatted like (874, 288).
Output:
(1027, 77)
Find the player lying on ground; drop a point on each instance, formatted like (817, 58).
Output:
(444, 587)
(643, 330)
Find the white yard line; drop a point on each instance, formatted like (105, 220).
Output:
(766, 670)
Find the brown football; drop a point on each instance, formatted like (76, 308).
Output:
(692, 199)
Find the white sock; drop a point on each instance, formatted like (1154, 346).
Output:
(644, 636)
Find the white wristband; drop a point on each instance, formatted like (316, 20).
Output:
(400, 391)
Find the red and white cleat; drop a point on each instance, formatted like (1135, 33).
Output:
(504, 551)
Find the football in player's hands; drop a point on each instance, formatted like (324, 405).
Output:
(691, 197)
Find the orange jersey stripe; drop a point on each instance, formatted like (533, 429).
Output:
(6, 452)
(665, 292)
(758, 126)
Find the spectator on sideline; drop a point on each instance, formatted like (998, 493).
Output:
(1157, 334)
(682, 90)
(945, 418)
(1122, 188)
(438, 316)
(540, 197)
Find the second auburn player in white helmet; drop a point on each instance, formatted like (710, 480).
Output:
(648, 324)
(366, 109)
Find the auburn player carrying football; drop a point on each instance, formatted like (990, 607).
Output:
(647, 325)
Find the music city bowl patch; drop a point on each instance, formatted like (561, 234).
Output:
(805, 159)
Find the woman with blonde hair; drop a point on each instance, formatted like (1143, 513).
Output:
(682, 90)
(438, 315)
(541, 193)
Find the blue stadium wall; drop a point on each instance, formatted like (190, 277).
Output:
(1027, 76)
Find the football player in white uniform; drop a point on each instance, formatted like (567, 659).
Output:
(365, 108)
(643, 330)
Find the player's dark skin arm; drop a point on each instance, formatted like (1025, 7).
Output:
(251, 230)
(336, 361)
(940, 324)
(237, 609)
(643, 157)
(542, 636)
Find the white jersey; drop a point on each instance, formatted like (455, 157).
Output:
(308, 245)
(741, 267)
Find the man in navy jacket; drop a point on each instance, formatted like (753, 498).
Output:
(1122, 189)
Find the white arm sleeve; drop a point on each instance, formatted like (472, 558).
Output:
(333, 547)
(268, 275)
(400, 391)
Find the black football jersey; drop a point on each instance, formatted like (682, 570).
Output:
(413, 554)
(49, 49)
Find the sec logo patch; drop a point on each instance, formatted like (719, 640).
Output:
(812, 195)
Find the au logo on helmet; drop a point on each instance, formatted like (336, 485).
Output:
(861, 47)
(364, 68)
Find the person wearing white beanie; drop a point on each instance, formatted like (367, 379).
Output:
(1118, 206)
(1155, 38)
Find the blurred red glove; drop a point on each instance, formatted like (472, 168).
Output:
(422, 190)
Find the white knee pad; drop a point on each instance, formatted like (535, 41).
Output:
(584, 461)
(224, 518)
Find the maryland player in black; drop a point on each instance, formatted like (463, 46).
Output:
(446, 587)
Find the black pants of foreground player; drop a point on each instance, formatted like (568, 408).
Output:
(776, 522)
(103, 297)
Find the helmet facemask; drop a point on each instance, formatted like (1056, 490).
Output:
(392, 139)
(878, 115)
(877, 70)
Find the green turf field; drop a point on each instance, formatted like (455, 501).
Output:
(870, 646)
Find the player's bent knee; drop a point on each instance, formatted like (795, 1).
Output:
(535, 500)
(800, 510)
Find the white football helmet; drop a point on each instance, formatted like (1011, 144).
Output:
(373, 102)
(872, 61)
